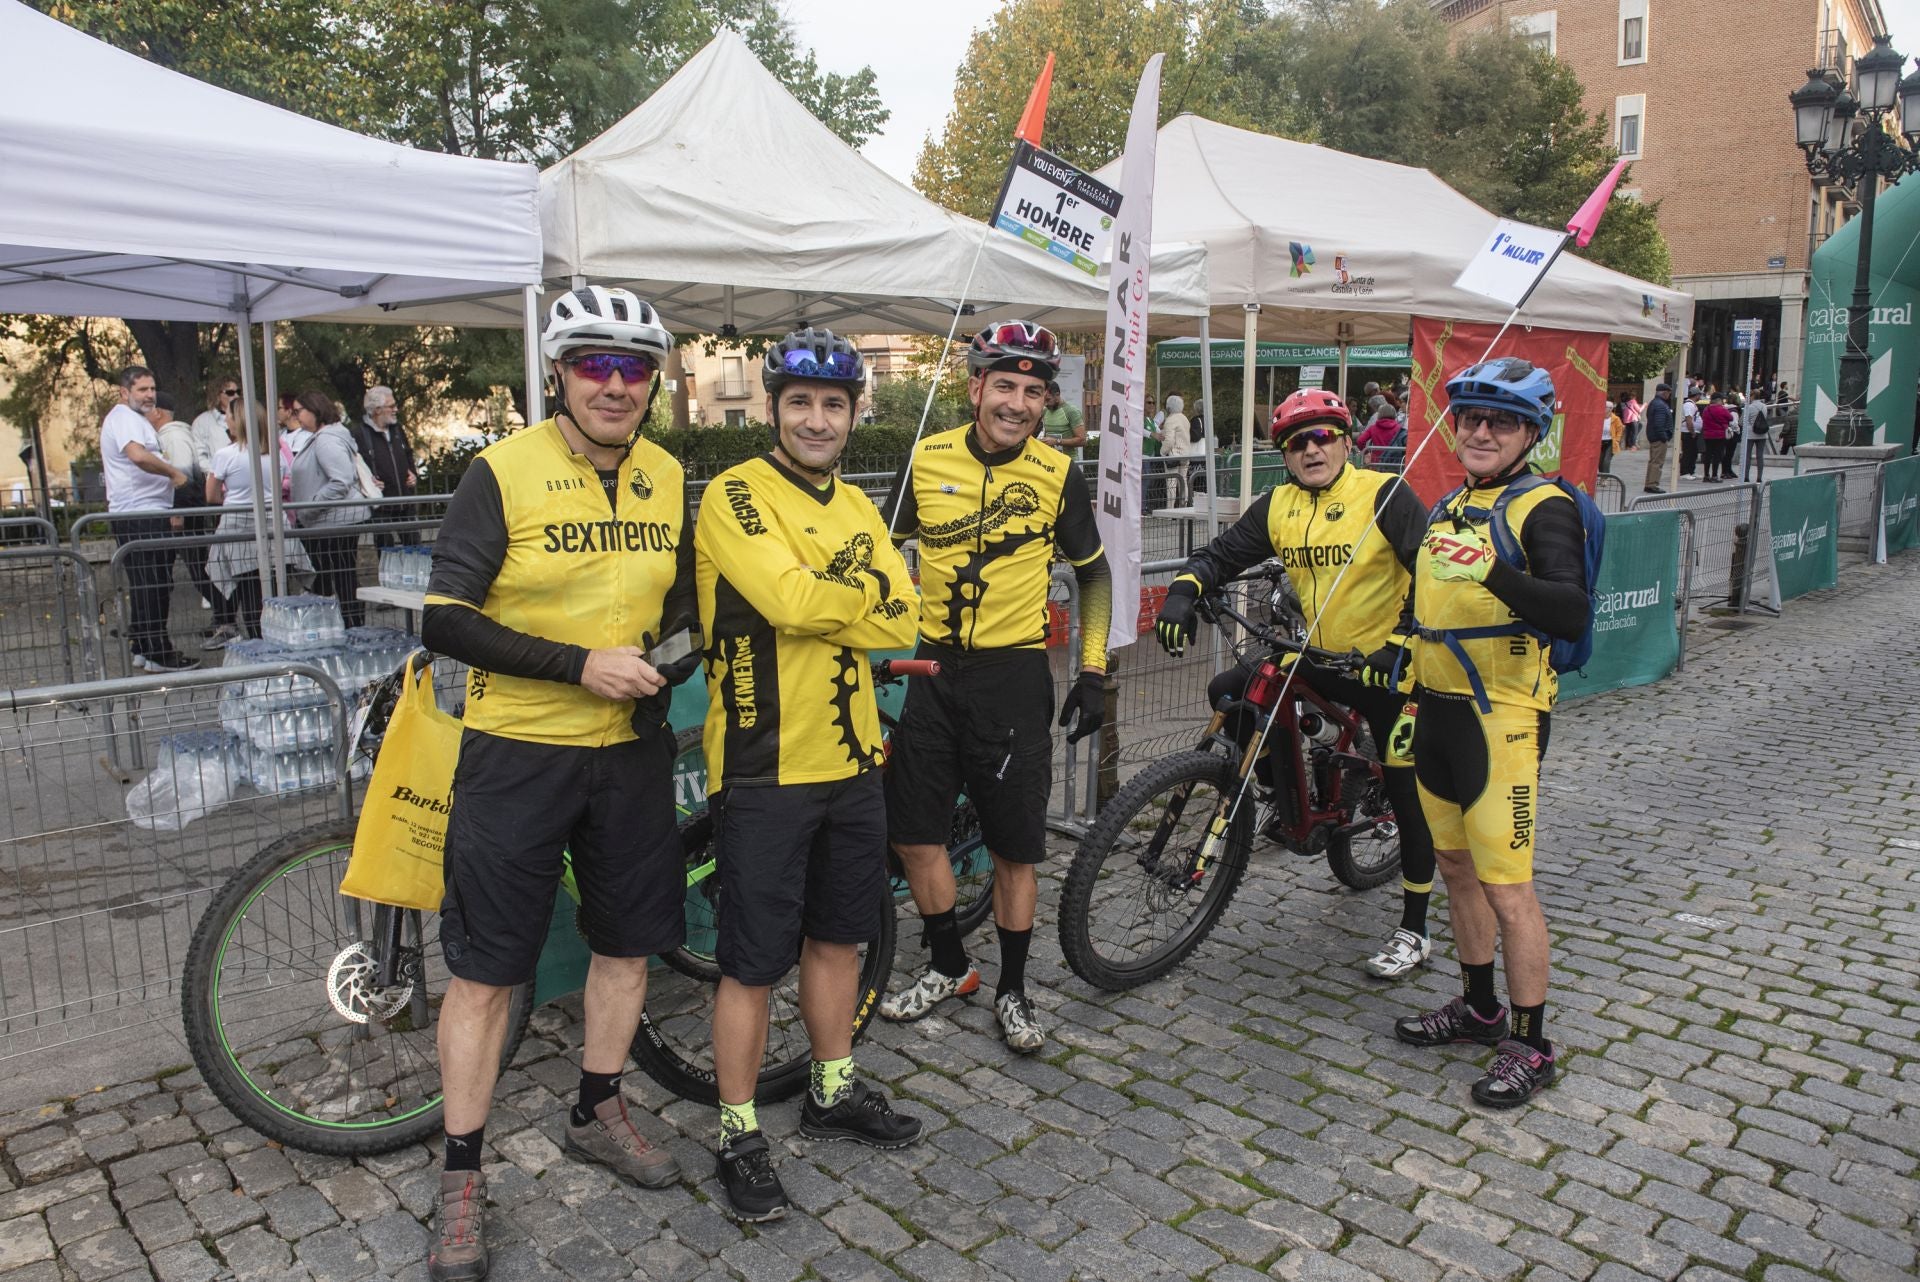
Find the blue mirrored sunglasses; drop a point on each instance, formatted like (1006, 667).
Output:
(804, 364)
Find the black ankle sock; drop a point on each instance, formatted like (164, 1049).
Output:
(1013, 959)
(943, 939)
(463, 1151)
(595, 1090)
(1413, 910)
(1480, 995)
(1530, 1027)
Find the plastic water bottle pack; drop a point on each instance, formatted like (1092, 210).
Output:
(302, 622)
(406, 568)
(194, 773)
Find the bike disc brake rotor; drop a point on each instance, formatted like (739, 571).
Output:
(351, 990)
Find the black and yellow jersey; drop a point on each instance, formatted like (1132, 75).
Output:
(1549, 596)
(568, 560)
(796, 582)
(989, 526)
(1317, 535)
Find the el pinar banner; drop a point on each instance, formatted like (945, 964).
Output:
(1577, 363)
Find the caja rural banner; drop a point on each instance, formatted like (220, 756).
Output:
(1804, 518)
(1900, 505)
(1576, 361)
(1636, 634)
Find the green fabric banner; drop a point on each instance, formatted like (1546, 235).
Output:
(1900, 505)
(1184, 353)
(1805, 523)
(1636, 637)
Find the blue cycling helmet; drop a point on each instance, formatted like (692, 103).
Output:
(1505, 383)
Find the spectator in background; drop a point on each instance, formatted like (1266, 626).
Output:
(210, 425)
(234, 568)
(1062, 426)
(1611, 430)
(1716, 438)
(384, 445)
(1659, 419)
(1180, 444)
(1380, 432)
(293, 429)
(1690, 433)
(139, 479)
(1630, 422)
(1753, 430)
(181, 446)
(1786, 411)
(325, 472)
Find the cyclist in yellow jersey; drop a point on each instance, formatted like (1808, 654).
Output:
(992, 508)
(566, 553)
(1315, 525)
(1484, 702)
(798, 580)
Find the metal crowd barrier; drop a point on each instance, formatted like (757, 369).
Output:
(98, 526)
(16, 530)
(1718, 515)
(1610, 493)
(95, 910)
(49, 617)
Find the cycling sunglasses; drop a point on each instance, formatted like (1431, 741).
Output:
(804, 364)
(1033, 338)
(598, 367)
(1321, 436)
(1496, 420)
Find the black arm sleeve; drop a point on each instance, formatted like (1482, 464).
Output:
(467, 554)
(901, 511)
(1244, 543)
(1403, 519)
(1551, 593)
(1075, 534)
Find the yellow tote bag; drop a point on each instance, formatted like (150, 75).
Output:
(401, 840)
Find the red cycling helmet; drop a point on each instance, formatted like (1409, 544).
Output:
(1309, 407)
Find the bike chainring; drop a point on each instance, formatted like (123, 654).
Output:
(351, 988)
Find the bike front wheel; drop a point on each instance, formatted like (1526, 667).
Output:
(674, 1044)
(1152, 876)
(287, 1017)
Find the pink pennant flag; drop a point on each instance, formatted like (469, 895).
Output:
(1587, 221)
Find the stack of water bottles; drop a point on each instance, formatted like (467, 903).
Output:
(407, 568)
(302, 622)
(194, 773)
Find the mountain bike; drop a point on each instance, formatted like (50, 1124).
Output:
(312, 1015)
(1152, 876)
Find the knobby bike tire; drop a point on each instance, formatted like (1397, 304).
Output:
(972, 872)
(674, 1045)
(1111, 894)
(1364, 860)
(258, 1000)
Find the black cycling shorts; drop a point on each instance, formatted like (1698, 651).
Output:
(516, 807)
(799, 860)
(1479, 775)
(985, 725)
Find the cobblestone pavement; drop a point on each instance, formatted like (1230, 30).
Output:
(1729, 870)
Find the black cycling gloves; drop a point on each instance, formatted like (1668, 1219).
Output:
(1085, 706)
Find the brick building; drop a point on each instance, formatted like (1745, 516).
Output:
(1696, 94)
(724, 387)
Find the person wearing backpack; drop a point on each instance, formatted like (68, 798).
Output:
(1501, 600)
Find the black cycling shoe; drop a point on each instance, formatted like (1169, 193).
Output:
(1519, 1073)
(1454, 1022)
(863, 1115)
(754, 1193)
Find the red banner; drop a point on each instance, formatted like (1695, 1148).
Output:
(1576, 361)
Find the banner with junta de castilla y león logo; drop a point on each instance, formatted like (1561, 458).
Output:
(1900, 505)
(1636, 638)
(1805, 525)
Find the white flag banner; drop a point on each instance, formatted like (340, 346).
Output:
(1512, 261)
(1123, 392)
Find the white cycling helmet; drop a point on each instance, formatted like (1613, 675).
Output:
(596, 316)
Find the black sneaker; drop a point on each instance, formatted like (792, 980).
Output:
(1519, 1073)
(1454, 1022)
(171, 661)
(746, 1171)
(863, 1115)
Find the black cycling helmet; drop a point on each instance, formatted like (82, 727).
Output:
(1021, 347)
(817, 355)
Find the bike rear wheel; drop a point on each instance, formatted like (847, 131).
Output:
(1137, 898)
(674, 1044)
(287, 1021)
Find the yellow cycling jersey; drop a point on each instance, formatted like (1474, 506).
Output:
(796, 583)
(541, 543)
(1513, 669)
(989, 525)
(1321, 536)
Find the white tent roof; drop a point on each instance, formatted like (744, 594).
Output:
(130, 190)
(1387, 242)
(722, 200)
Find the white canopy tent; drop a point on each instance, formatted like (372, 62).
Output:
(130, 190)
(722, 200)
(1386, 242)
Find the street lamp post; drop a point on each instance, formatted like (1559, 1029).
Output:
(1845, 142)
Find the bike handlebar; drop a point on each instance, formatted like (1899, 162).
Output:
(1214, 606)
(894, 669)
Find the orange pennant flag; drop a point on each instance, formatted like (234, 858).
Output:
(1034, 118)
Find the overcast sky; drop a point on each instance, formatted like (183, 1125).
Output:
(916, 49)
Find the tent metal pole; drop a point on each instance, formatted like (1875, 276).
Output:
(530, 343)
(262, 552)
(1343, 369)
(279, 521)
(1249, 388)
(1206, 436)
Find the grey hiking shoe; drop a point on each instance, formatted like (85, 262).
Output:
(460, 1253)
(612, 1140)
